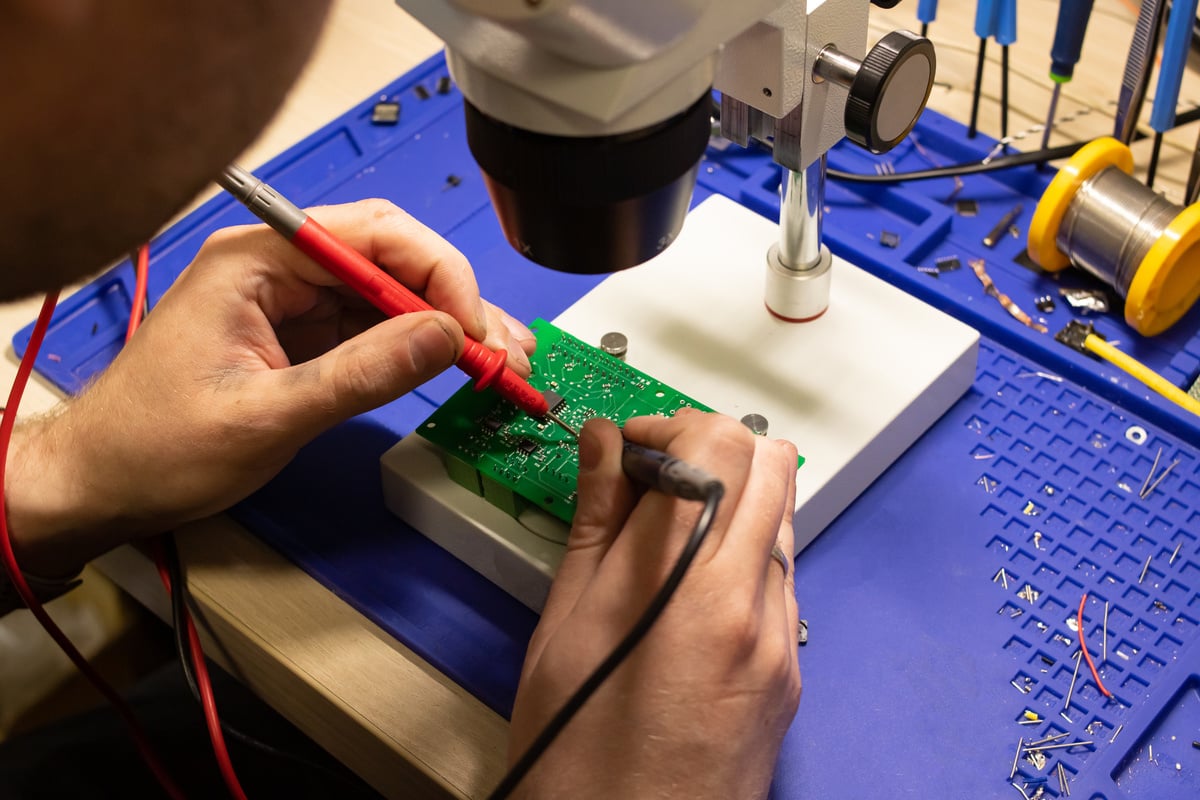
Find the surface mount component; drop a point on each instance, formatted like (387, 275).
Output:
(514, 460)
(385, 112)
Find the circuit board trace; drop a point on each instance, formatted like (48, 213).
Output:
(495, 450)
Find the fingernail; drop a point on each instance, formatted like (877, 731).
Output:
(589, 449)
(518, 331)
(431, 347)
(521, 360)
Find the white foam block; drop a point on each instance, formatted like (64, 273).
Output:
(853, 389)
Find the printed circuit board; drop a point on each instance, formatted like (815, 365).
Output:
(494, 450)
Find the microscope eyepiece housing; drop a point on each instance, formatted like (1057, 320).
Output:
(591, 204)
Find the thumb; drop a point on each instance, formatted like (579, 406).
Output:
(372, 368)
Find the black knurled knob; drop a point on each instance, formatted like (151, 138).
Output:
(890, 91)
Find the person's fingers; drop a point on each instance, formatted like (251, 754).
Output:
(720, 445)
(787, 540)
(373, 368)
(606, 497)
(505, 332)
(755, 523)
(395, 241)
(413, 254)
(781, 615)
(519, 333)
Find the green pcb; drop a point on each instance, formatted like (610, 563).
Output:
(512, 459)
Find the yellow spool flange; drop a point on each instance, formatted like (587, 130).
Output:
(1094, 158)
(1167, 281)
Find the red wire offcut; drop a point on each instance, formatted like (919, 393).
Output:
(18, 578)
(1086, 655)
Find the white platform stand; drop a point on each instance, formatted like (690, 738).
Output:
(853, 389)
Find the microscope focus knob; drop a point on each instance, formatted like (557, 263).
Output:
(888, 88)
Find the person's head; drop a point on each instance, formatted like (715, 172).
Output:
(116, 113)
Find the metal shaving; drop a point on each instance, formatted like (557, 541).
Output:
(989, 287)
(1085, 300)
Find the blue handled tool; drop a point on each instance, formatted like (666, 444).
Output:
(996, 19)
(926, 13)
(1176, 47)
(1073, 17)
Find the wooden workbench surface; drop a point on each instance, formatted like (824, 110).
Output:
(369, 700)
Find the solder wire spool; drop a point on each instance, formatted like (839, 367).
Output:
(1095, 215)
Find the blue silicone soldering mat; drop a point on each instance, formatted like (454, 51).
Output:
(915, 641)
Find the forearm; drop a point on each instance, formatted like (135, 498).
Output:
(56, 522)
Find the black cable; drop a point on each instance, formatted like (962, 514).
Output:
(954, 170)
(973, 127)
(1193, 181)
(1004, 92)
(183, 651)
(974, 167)
(619, 653)
(1152, 167)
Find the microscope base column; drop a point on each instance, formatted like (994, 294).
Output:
(798, 295)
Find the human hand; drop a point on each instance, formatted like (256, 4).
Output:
(253, 352)
(699, 708)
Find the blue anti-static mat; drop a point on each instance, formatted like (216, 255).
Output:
(921, 661)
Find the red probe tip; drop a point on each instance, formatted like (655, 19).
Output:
(517, 390)
(490, 371)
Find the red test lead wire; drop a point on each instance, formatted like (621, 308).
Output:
(141, 271)
(208, 702)
(18, 579)
(393, 298)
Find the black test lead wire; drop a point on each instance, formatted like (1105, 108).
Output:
(671, 476)
(179, 612)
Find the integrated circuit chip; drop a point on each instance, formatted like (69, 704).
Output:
(553, 399)
(513, 460)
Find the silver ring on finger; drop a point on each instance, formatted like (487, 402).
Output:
(781, 557)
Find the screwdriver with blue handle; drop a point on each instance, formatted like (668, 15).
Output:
(1073, 17)
(996, 19)
(926, 13)
(1176, 47)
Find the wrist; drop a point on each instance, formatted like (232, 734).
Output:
(56, 526)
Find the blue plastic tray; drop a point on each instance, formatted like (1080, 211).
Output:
(914, 647)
